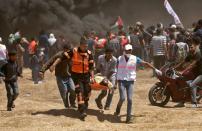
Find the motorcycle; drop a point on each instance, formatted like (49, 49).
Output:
(173, 85)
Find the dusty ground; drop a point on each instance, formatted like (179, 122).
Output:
(39, 108)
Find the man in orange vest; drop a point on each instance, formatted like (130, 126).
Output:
(82, 71)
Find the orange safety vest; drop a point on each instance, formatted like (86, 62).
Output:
(80, 61)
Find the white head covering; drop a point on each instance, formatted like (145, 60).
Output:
(173, 26)
(128, 47)
(52, 40)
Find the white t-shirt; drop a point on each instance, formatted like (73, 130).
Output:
(3, 52)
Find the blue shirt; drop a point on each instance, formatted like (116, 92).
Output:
(139, 61)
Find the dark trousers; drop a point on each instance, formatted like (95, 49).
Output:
(12, 92)
(159, 61)
(109, 97)
(83, 90)
(110, 93)
(35, 74)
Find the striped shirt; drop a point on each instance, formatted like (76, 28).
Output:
(158, 43)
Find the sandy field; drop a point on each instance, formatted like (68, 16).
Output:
(40, 108)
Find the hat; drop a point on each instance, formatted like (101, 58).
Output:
(52, 35)
(173, 26)
(138, 23)
(128, 47)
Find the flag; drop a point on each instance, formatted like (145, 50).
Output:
(172, 12)
(118, 23)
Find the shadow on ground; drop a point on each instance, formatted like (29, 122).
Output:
(72, 113)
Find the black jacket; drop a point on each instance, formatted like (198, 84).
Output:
(10, 71)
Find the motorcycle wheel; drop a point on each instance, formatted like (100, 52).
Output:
(157, 97)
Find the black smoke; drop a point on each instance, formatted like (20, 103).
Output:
(72, 17)
(65, 17)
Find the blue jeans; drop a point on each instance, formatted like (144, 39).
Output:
(128, 87)
(65, 86)
(194, 85)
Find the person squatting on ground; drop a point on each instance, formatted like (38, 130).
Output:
(82, 73)
(11, 72)
(126, 77)
(106, 65)
(63, 77)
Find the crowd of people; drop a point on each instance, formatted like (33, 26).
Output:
(116, 56)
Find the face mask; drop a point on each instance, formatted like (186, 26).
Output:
(128, 55)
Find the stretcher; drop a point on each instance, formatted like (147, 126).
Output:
(101, 83)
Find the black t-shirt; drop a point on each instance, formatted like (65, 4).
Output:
(199, 66)
(197, 56)
(192, 57)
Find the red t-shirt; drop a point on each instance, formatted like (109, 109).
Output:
(32, 47)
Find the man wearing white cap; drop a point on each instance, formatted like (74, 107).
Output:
(126, 76)
(174, 31)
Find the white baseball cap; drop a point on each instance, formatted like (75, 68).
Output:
(173, 26)
(128, 47)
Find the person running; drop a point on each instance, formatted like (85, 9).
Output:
(63, 77)
(11, 72)
(126, 77)
(82, 71)
(106, 65)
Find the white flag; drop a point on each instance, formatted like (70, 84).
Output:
(172, 12)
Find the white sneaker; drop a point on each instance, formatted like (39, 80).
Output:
(195, 106)
(40, 82)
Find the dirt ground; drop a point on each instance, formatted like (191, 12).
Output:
(40, 108)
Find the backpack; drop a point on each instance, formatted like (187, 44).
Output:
(181, 51)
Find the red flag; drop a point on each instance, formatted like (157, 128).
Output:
(118, 23)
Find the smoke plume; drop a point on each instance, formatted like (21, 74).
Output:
(72, 17)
